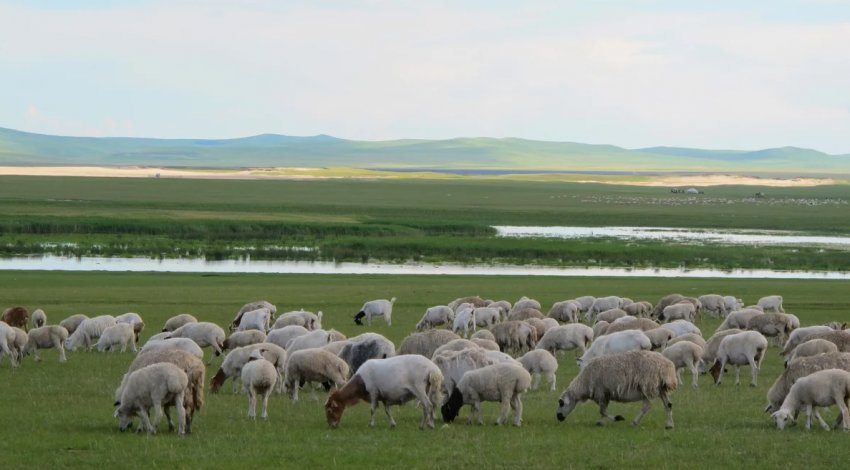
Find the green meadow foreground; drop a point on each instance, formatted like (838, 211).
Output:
(60, 415)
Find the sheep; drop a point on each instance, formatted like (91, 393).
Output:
(436, 316)
(611, 315)
(475, 300)
(739, 319)
(88, 330)
(691, 337)
(424, 344)
(335, 347)
(183, 344)
(539, 362)
(602, 304)
(258, 377)
(539, 326)
(625, 301)
(244, 338)
(236, 359)
(638, 309)
(624, 377)
(712, 345)
(566, 311)
(282, 336)
(585, 302)
(153, 386)
(631, 323)
(693, 301)
(177, 321)
(313, 339)
(504, 383)
(259, 319)
(250, 307)
(71, 323)
(771, 303)
(193, 400)
(621, 341)
(732, 303)
(678, 311)
(800, 368)
(18, 343)
(813, 347)
(454, 345)
(504, 308)
(464, 320)
(563, 338)
(361, 348)
(133, 319)
(514, 335)
(778, 325)
(801, 335)
(39, 318)
(16, 317)
(659, 337)
(376, 308)
(685, 354)
(681, 327)
(524, 314)
(664, 302)
(499, 357)
(391, 381)
(159, 337)
(206, 334)
(747, 347)
(524, 303)
(483, 334)
(487, 344)
(309, 320)
(453, 364)
(548, 324)
(46, 337)
(486, 317)
(7, 343)
(821, 388)
(714, 304)
(600, 328)
(119, 334)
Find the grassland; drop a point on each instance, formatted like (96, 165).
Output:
(402, 220)
(60, 415)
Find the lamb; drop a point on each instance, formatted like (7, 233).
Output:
(622, 341)
(685, 354)
(89, 329)
(678, 311)
(258, 377)
(250, 307)
(504, 383)
(801, 368)
(453, 364)
(376, 308)
(713, 344)
(436, 316)
(193, 399)
(714, 304)
(602, 304)
(314, 365)
(638, 309)
(183, 344)
(611, 315)
(659, 337)
(259, 319)
(16, 317)
(813, 347)
(119, 334)
(664, 302)
(747, 347)
(801, 335)
(133, 319)
(600, 328)
(424, 344)
(153, 386)
(778, 325)
(7, 343)
(282, 336)
(739, 319)
(313, 339)
(771, 303)
(821, 388)
(244, 338)
(464, 320)
(566, 311)
(631, 323)
(391, 381)
(206, 334)
(236, 359)
(539, 362)
(486, 317)
(177, 321)
(524, 314)
(71, 323)
(483, 334)
(682, 327)
(691, 337)
(46, 337)
(39, 318)
(363, 347)
(566, 337)
(309, 320)
(624, 377)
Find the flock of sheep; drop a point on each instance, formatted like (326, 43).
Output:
(466, 352)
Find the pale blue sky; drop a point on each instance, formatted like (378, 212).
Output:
(714, 74)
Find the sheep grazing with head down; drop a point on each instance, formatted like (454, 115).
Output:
(258, 377)
(485, 317)
(801, 368)
(712, 345)
(841, 339)
(177, 321)
(566, 337)
(475, 300)
(539, 363)
(156, 385)
(678, 311)
(821, 388)
(625, 377)
(119, 334)
(205, 334)
(454, 345)
(813, 347)
(745, 348)
(259, 319)
(524, 314)
(800, 336)
(16, 317)
(517, 336)
(565, 311)
(713, 304)
(183, 344)
(89, 330)
(659, 337)
(621, 341)
(602, 304)
(238, 339)
(631, 323)
(504, 383)
(453, 364)
(46, 337)
(483, 334)
(771, 303)
(600, 328)
(424, 344)
(436, 316)
(361, 348)
(772, 325)
(71, 323)
(690, 337)
(739, 319)
(250, 307)
(133, 319)
(503, 306)
(231, 366)
(524, 303)
(638, 309)
(392, 381)
(314, 365)
(685, 354)
(309, 320)
(664, 302)
(611, 315)
(39, 318)
(282, 336)
(681, 327)
(376, 308)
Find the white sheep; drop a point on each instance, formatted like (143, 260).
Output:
(800, 336)
(566, 337)
(638, 309)
(39, 318)
(739, 319)
(205, 334)
(486, 317)
(538, 363)
(376, 308)
(46, 337)
(600, 328)
(611, 315)
(282, 336)
(313, 339)
(453, 364)
(313, 365)
(184, 344)
(436, 316)
(712, 345)
(159, 336)
(236, 359)
(119, 334)
(499, 357)
(89, 330)
(631, 323)
(679, 311)
(244, 338)
(771, 303)
(133, 319)
(659, 337)
(813, 347)
(732, 303)
(156, 385)
(483, 334)
(524, 303)
(361, 348)
(685, 354)
(258, 377)
(621, 341)
(7, 343)
(565, 311)
(250, 307)
(602, 304)
(259, 319)
(504, 308)
(464, 320)
(585, 302)
(682, 327)
(821, 388)
(772, 325)
(425, 343)
(71, 323)
(739, 349)
(714, 304)
(691, 337)
(177, 321)
(19, 343)
(504, 382)
(625, 377)
(309, 320)
(454, 345)
(475, 300)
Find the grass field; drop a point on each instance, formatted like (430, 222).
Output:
(60, 415)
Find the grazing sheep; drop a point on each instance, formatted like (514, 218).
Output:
(177, 321)
(376, 308)
(236, 359)
(453, 364)
(206, 334)
(585, 302)
(335, 347)
(841, 339)
(17, 317)
(772, 325)
(503, 383)
(712, 345)
(424, 344)
(602, 304)
(392, 381)
(801, 335)
(678, 311)
(524, 314)
(624, 377)
(153, 386)
(464, 320)
(133, 319)
(682, 327)
(739, 319)
(313, 339)
(504, 308)
(89, 329)
(813, 347)
(309, 320)
(193, 399)
(475, 300)
(183, 344)
(361, 348)
(483, 334)
(119, 334)
(524, 303)
(19, 343)
(631, 323)
(46, 337)
(821, 388)
(258, 377)
(566, 337)
(39, 318)
(771, 303)
(71, 323)
(747, 347)
(600, 328)
(800, 368)
(282, 336)
(514, 335)
(611, 315)
(7, 343)
(486, 344)
(714, 304)
(259, 319)
(638, 309)
(436, 316)
(685, 354)
(659, 337)
(486, 317)
(664, 302)
(691, 337)
(244, 338)
(732, 303)
(565, 311)
(250, 307)
(159, 337)
(454, 345)
(539, 362)
(621, 341)
(499, 357)
(539, 326)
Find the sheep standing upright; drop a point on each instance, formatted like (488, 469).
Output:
(504, 383)
(7, 343)
(258, 377)
(45, 337)
(376, 308)
(743, 348)
(821, 388)
(16, 317)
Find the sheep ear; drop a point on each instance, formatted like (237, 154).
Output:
(768, 408)
(117, 403)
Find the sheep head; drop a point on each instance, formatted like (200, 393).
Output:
(782, 418)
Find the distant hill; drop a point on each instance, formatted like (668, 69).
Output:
(271, 150)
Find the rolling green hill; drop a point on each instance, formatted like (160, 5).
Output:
(270, 150)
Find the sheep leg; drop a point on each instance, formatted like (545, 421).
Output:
(506, 408)
(668, 409)
(720, 374)
(808, 416)
(516, 404)
(551, 379)
(57, 345)
(181, 414)
(144, 422)
(389, 415)
(603, 411)
(157, 416)
(644, 409)
(679, 376)
(476, 413)
(737, 375)
(823, 423)
(536, 381)
(754, 371)
(168, 418)
(694, 374)
(252, 403)
(296, 384)
(373, 406)
(266, 403)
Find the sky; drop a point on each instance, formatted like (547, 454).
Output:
(635, 73)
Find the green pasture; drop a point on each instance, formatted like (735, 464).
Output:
(60, 415)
